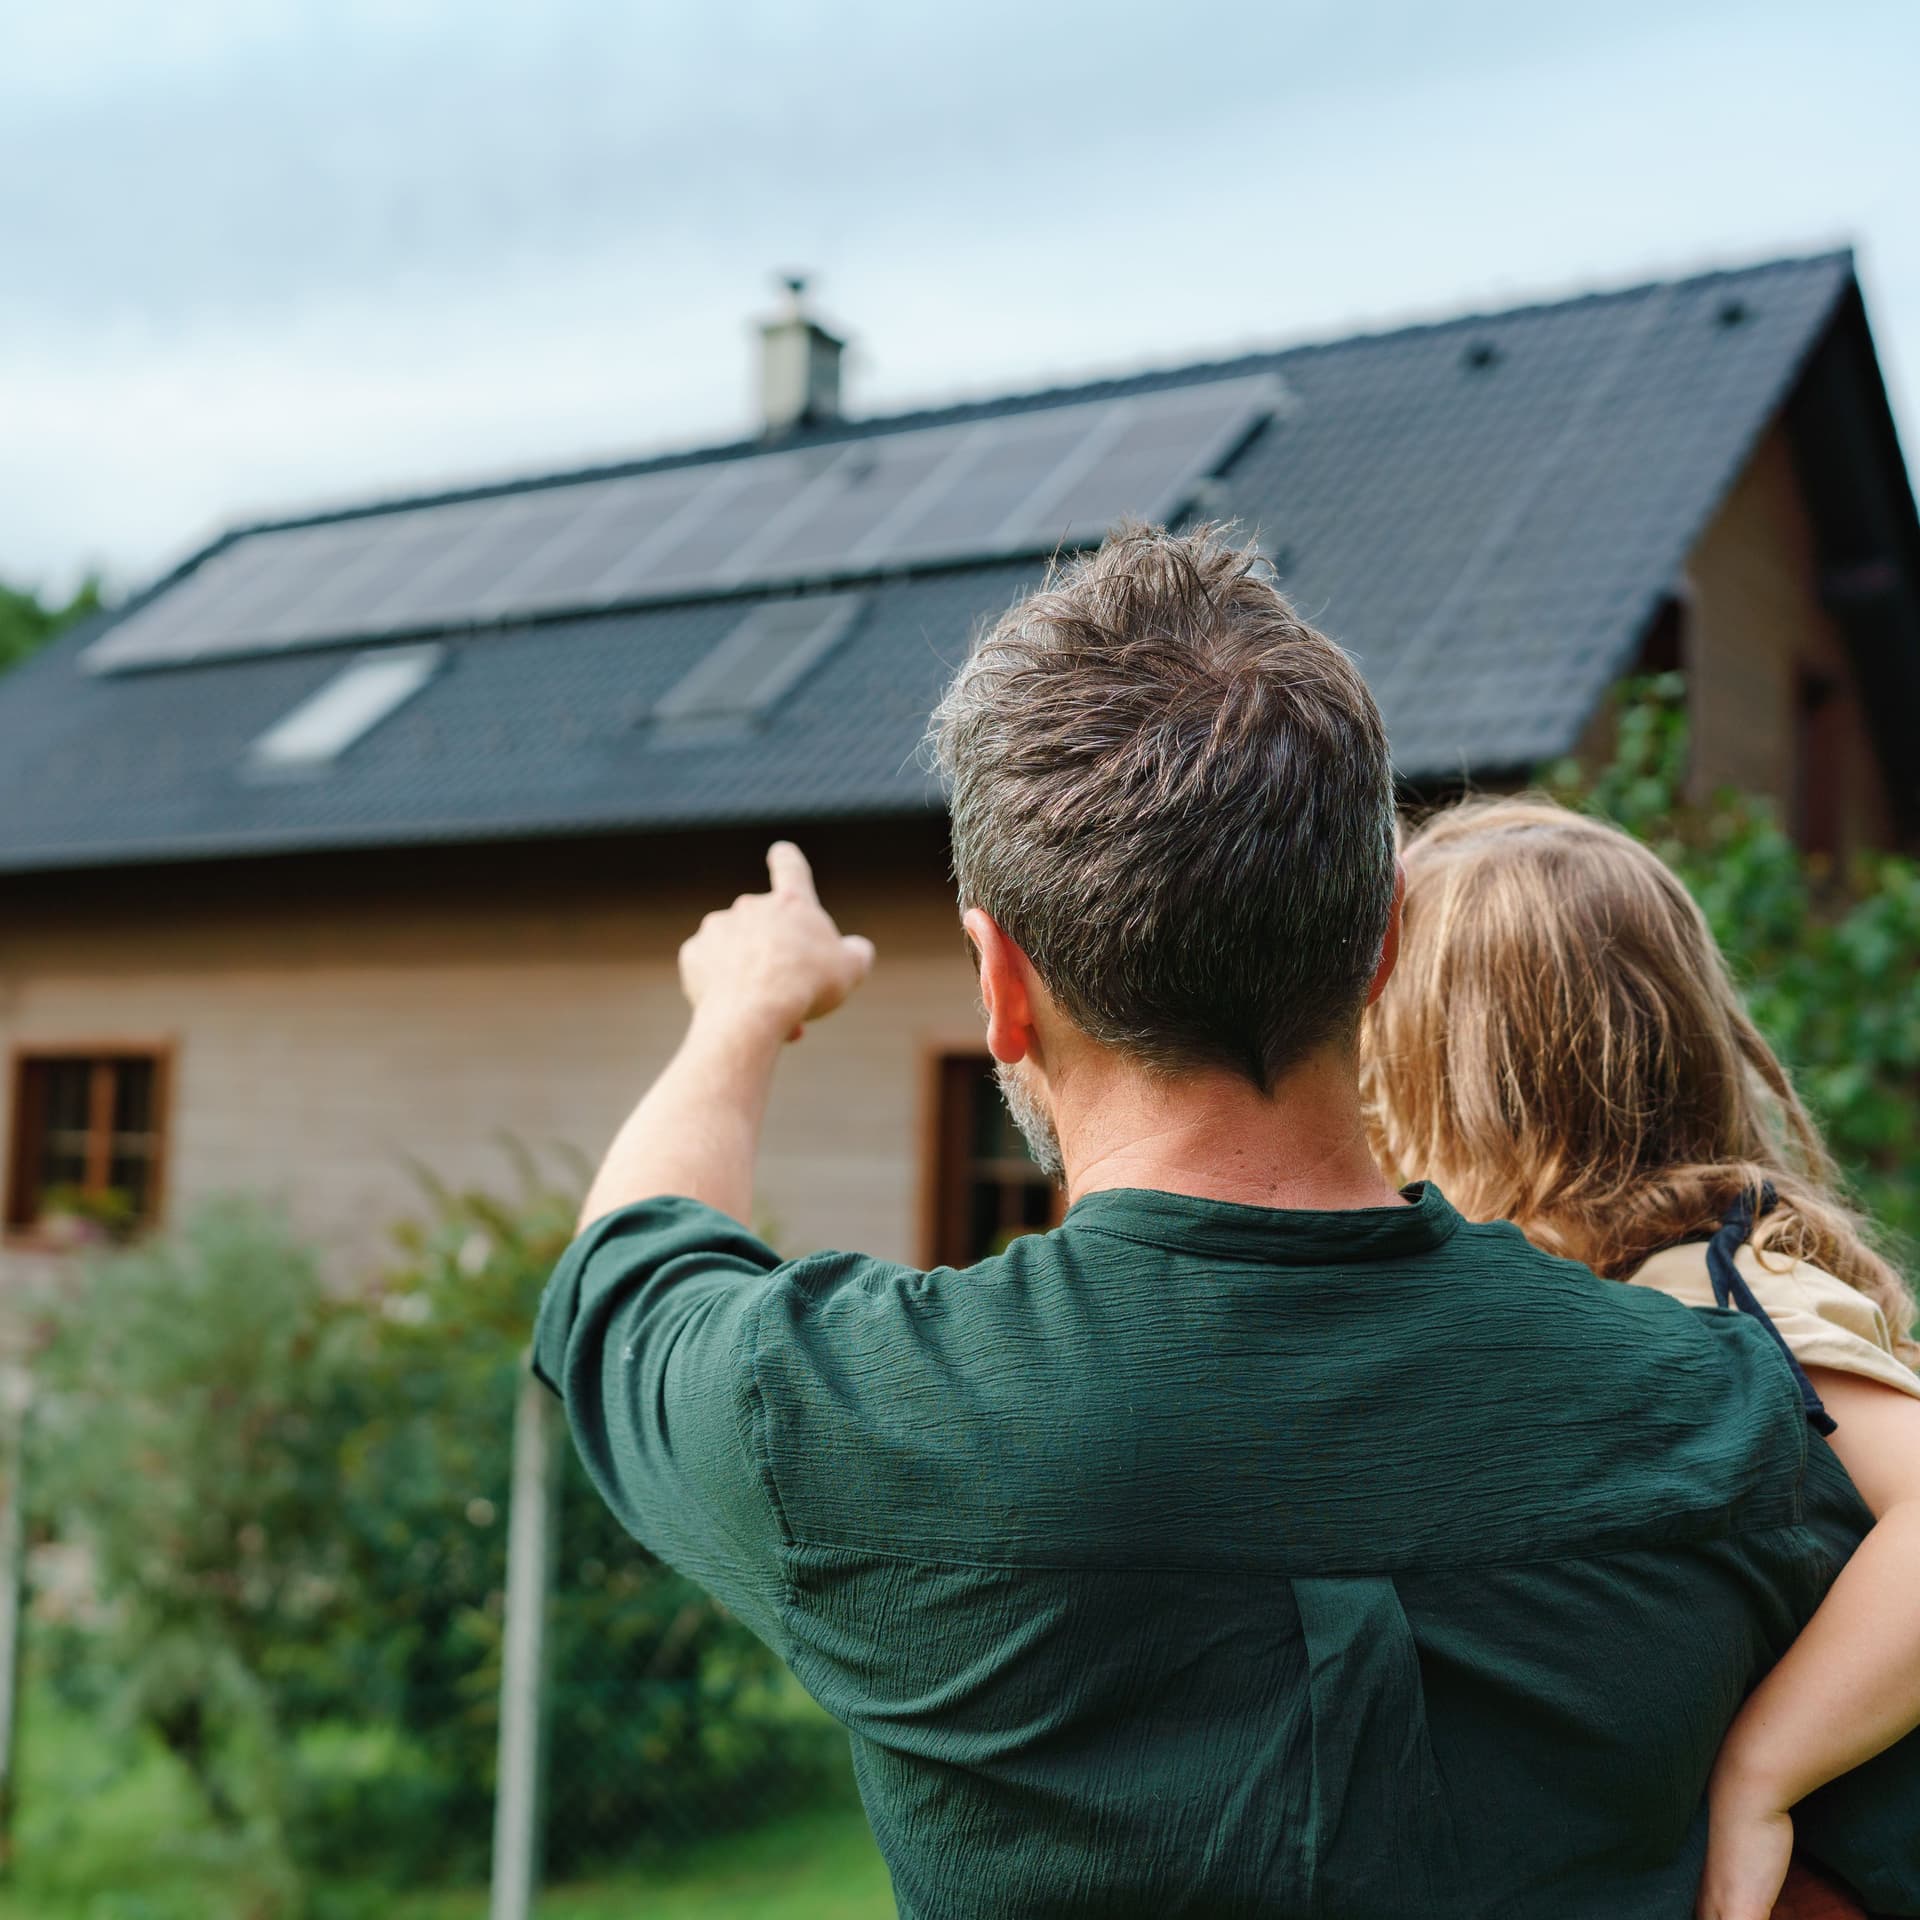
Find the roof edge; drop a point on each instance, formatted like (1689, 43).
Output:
(1249, 360)
(227, 848)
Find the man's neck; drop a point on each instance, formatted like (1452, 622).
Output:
(1213, 1136)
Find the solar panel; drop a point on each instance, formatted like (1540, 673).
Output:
(1156, 454)
(511, 539)
(987, 480)
(847, 507)
(234, 597)
(998, 487)
(696, 556)
(617, 522)
(341, 589)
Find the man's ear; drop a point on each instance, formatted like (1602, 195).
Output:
(1006, 990)
(1390, 946)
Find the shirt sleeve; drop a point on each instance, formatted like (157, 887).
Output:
(1824, 1322)
(1831, 1324)
(647, 1331)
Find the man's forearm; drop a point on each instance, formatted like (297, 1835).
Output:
(697, 1130)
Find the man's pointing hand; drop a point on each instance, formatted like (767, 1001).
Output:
(774, 958)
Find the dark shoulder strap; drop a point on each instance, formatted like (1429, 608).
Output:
(1731, 1290)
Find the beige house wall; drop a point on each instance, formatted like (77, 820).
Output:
(1755, 622)
(324, 1039)
(332, 1021)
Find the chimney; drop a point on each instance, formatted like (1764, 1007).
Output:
(799, 365)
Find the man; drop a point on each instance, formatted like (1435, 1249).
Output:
(1262, 1541)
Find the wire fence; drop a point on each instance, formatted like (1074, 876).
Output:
(637, 1719)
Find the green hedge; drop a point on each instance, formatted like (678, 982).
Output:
(296, 1508)
(1828, 956)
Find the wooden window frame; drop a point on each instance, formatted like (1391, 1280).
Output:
(23, 1177)
(944, 1181)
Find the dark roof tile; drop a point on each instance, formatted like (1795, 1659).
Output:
(1485, 511)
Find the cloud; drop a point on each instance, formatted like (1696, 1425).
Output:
(269, 250)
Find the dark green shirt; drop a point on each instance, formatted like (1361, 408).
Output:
(1204, 1559)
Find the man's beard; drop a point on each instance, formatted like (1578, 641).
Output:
(1034, 1121)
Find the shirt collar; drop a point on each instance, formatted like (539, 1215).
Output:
(1278, 1236)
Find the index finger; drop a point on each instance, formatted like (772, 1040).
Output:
(787, 868)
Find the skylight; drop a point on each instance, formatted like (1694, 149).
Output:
(346, 709)
(760, 660)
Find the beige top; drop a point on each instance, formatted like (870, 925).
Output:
(1824, 1322)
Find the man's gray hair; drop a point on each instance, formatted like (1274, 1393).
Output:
(1176, 797)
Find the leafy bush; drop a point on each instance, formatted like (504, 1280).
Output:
(28, 623)
(667, 1718)
(296, 1505)
(190, 1398)
(1829, 960)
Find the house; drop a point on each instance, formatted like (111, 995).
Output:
(364, 840)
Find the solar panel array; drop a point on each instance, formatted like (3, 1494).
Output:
(1013, 484)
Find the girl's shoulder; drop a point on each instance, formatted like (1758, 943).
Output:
(1825, 1322)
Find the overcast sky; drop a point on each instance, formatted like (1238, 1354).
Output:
(268, 252)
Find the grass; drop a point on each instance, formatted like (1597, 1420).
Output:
(816, 1866)
(100, 1837)
(105, 1837)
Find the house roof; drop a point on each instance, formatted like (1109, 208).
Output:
(1485, 511)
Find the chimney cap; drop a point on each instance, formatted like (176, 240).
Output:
(796, 283)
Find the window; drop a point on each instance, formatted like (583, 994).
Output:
(1663, 646)
(86, 1139)
(1819, 764)
(748, 671)
(348, 708)
(986, 1188)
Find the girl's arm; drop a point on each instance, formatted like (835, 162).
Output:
(1849, 1686)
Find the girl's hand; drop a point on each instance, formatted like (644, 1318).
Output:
(1748, 1849)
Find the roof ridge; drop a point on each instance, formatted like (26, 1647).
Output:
(958, 411)
(1423, 479)
(1590, 297)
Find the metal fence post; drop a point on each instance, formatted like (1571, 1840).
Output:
(519, 1788)
(15, 1396)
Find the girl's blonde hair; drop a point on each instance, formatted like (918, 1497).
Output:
(1561, 1045)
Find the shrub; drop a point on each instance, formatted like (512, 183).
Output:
(296, 1508)
(192, 1395)
(667, 1719)
(1829, 959)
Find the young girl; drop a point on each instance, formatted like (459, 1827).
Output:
(1561, 1046)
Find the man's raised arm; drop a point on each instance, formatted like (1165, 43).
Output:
(647, 1328)
(755, 974)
